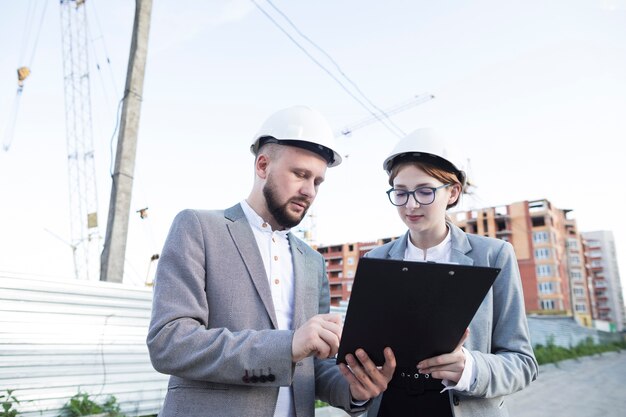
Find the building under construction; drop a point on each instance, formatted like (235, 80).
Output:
(558, 276)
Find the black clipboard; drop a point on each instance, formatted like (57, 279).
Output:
(419, 309)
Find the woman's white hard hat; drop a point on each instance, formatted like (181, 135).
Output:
(299, 126)
(428, 146)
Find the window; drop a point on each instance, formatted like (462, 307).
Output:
(547, 287)
(572, 243)
(579, 292)
(540, 237)
(350, 273)
(542, 253)
(547, 305)
(574, 260)
(581, 308)
(575, 275)
(351, 260)
(544, 270)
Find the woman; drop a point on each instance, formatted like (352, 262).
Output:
(494, 357)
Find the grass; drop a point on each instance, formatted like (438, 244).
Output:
(552, 353)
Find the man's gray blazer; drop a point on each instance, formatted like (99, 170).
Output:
(213, 323)
(499, 340)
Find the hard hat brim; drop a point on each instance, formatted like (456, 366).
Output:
(331, 157)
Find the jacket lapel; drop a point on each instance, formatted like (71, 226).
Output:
(460, 246)
(300, 271)
(244, 240)
(398, 248)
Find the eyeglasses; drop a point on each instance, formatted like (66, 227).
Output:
(422, 195)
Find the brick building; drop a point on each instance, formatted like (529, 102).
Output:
(563, 272)
(549, 251)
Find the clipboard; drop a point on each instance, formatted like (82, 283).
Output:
(419, 309)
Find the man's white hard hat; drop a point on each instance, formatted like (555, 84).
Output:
(428, 146)
(299, 126)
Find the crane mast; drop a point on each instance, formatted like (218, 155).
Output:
(85, 236)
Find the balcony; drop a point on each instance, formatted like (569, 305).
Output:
(336, 293)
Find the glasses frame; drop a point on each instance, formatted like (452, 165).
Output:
(409, 193)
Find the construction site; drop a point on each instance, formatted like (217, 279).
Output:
(116, 116)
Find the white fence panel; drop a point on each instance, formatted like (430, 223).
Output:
(59, 337)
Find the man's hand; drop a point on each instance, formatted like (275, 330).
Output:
(319, 336)
(365, 378)
(448, 366)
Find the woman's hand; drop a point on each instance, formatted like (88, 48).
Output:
(448, 366)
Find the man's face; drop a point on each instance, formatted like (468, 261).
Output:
(292, 182)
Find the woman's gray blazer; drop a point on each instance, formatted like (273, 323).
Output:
(213, 320)
(499, 340)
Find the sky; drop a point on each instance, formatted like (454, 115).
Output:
(532, 94)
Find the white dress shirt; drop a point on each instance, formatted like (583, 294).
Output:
(276, 255)
(442, 253)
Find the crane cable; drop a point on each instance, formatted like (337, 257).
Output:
(23, 71)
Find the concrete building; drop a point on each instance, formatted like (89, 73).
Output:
(601, 263)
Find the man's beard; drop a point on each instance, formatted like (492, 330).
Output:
(280, 211)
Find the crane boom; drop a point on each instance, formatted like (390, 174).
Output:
(418, 99)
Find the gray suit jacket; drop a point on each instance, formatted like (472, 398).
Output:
(213, 319)
(499, 340)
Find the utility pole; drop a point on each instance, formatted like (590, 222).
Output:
(114, 253)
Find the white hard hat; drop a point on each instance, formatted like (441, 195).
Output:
(299, 126)
(425, 145)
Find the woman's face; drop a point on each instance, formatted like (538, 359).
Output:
(423, 218)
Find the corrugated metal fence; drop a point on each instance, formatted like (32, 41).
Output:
(59, 337)
(565, 332)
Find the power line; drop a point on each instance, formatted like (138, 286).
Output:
(398, 133)
(330, 58)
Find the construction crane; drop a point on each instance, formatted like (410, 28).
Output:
(307, 229)
(377, 117)
(85, 235)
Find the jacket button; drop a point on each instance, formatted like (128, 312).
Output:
(455, 400)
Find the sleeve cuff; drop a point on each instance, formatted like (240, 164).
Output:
(467, 377)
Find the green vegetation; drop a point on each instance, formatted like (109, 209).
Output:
(8, 402)
(81, 405)
(319, 404)
(553, 354)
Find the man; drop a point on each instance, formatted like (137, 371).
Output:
(240, 307)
